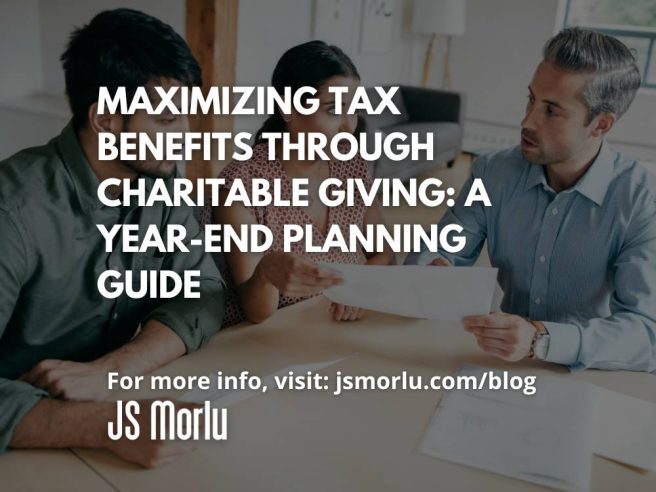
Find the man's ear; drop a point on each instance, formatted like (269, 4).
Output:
(104, 123)
(602, 124)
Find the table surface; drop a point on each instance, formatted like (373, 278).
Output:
(312, 440)
(59, 470)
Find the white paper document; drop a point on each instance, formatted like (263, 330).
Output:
(548, 438)
(442, 293)
(625, 429)
(225, 398)
(545, 438)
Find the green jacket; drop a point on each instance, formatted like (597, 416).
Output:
(51, 254)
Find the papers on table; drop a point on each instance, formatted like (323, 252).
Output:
(625, 429)
(547, 438)
(444, 293)
(224, 398)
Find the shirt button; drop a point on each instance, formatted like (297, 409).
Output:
(554, 211)
(538, 300)
(542, 259)
(115, 315)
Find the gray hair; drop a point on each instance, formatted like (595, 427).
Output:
(617, 77)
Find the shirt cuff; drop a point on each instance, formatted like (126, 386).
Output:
(193, 320)
(189, 331)
(564, 343)
(17, 398)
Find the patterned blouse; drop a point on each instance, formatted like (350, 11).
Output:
(276, 217)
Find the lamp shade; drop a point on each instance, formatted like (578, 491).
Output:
(439, 16)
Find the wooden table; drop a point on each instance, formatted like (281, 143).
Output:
(358, 441)
(52, 470)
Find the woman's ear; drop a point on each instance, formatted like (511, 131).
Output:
(104, 123)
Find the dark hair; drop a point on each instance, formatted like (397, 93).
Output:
(123, 48)
(617, 77)
(307, 65)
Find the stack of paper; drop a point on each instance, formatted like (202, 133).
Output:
(547, 438)
(625, 429)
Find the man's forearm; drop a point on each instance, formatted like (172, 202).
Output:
(153, 347)
(62, 424)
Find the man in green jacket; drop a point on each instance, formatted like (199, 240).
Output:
(59, 337)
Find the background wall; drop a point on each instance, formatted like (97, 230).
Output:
(492, 62)
(57, 18)
(33, 34)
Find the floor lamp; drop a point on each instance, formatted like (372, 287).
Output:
(438, 17)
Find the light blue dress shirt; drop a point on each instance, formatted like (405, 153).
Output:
(583, 261)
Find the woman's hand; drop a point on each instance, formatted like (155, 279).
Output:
(340, 312)
(296, 276)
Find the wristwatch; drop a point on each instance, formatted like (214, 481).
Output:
(540, 343)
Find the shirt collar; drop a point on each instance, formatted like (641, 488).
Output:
(593, 184)
(85, 180)
(535, 177)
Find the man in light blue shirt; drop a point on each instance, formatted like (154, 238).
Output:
(572, 224)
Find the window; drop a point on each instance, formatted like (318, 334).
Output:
(631, 21)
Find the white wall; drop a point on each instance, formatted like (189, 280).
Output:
(33, 35)
(20, 57)
(494, 61)
(58, 18)
(267, 29)
(19, 47)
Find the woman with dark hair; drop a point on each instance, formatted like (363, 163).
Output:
(261, 283)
